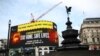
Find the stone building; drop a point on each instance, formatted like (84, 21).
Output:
(3, 43)
(3, 47)
(90, 33)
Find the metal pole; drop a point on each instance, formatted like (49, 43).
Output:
(9, 29)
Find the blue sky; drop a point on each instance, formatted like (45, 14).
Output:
(19, 12)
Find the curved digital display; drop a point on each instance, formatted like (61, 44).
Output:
(35, 25)
(39, 33)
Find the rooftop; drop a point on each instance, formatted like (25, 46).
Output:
(92, 19)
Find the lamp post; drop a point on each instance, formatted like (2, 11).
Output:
(9, 29)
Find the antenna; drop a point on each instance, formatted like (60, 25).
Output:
(32, 17)
(48, 11)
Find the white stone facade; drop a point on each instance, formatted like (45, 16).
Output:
(90, 33)
(42, 50)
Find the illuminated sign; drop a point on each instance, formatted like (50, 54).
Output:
(16, 38)
(35, 25)
(39, 33)
(46, 37)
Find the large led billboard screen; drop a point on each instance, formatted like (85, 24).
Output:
(39, 33)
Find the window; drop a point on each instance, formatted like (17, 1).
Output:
(45, 49)
(85, 40)
(88, 30)
(45, 52)
(40, 53)
(51, 48)
(97, 21)
(93, 39)
(97, 33)
(98, 40)
(40, 48)
(92, 22)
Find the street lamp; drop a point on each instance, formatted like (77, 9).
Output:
(9, 29)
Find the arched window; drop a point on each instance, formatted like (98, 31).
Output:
(45, 48)
(93, 39)
(85, 40)
(40, 48)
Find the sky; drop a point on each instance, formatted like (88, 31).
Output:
(19, 12)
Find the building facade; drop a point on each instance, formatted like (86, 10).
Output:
(43, 50)
(3, 47)
(3, 43)
(90, 33)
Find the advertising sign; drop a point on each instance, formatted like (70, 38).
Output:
(35, 25)
(27, 35)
